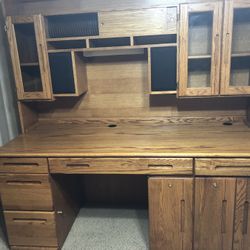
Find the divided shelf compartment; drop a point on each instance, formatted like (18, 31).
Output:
(163, 66)
(156, 39)
(72, 25)
(109, 42)
(67, 44)
(68, 73)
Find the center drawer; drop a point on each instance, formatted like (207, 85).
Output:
(122, 165)
(26, 192)
(31, 228)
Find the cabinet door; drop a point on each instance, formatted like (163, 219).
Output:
(29, 57)
(214, 213)
(242, 219)
(200, 27)
(235, 72)
(170, 213)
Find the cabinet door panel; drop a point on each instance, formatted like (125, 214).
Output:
(214, 212)
(29, 57)
(170, 213)
(242, 219)
(200, 27)
(235, 71)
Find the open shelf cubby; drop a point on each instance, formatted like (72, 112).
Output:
(73, 82)
(163, 70)
(156, 39)
(67, 44)
(109, 42)
(26, 42)
(72, 25)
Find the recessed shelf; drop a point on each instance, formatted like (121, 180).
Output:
(109, 42)
(156, 39)
(200, 57)
(163, 70)
(170, 92)
(66, 44)
(29, 64)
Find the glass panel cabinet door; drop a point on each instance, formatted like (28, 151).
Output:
(200, 26)
(235, 72)
(29, 57)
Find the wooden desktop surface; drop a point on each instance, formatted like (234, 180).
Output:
(91, 139)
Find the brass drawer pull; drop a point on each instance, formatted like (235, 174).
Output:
(23, 182)
(29, 220)
(231, 167)
(84, 165)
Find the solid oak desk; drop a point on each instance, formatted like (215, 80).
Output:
(197, 189)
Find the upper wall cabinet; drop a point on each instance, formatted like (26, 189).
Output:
(200, 27)
(29, 57)
(235, 76)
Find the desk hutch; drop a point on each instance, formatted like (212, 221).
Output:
(150, 93)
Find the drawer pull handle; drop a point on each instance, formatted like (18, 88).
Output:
(24, 182)
(223, 216)
(232, 167)
(20, 164)
(182, 216)
(84, 165)
(29, 220)
(245, 217)
(160, 166)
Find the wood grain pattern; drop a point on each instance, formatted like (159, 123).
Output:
(24, 165)
(26, 192)
(121, 165)
(242, 219)
(31, 228)
(170, 213)
(214, 213)
(129, 139)
(223, 167)
(138, 22)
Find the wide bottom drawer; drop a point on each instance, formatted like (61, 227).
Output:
(31, 228)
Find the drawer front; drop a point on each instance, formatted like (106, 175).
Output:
(24, 165)
(31, 228)
(26, 192)
(223, 166)
(121, 165)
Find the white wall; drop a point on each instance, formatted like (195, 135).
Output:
(9, 127)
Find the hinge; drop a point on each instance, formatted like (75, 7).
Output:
(6, 27)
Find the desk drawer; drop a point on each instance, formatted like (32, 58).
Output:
(26, 192)
(24, 165)
(121, 165)
(223, 166)
(31, 228)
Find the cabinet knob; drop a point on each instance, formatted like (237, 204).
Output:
(170, 185)
(59, 212)
(215, 185)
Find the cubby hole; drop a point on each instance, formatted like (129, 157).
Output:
(111, 211)
(159, 39)
(31, 77)
(72, 25)
(68, 44)
(109, 42)
(26, 43)
(240, 71)
(199, 71)
(163, 69)
(68, 73)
